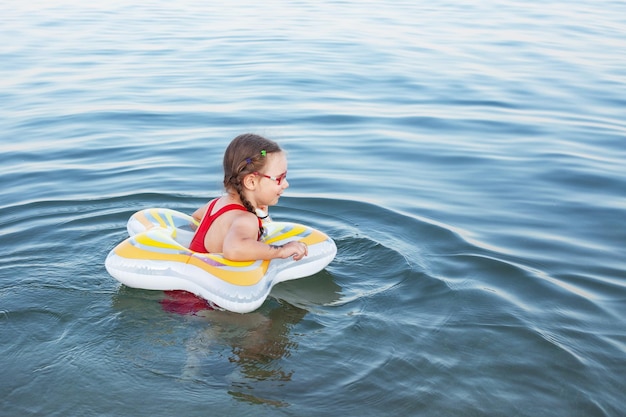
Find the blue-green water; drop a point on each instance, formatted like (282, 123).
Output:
(468, 159)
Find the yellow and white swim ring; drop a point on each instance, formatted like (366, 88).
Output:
(156, 257)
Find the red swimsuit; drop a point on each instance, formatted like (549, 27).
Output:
(197, 243)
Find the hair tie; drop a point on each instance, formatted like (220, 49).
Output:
(263, 152)
(248, 161)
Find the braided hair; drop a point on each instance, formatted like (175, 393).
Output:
(246, 154)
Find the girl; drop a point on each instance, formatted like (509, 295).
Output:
(255, 176)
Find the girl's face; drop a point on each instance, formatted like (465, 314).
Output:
(272, 181)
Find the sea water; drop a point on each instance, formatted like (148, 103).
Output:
(468, 158)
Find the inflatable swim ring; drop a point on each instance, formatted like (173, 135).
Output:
(156, 257)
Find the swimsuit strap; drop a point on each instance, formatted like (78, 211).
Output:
(197, 243)
(224, 209)
(230, 207)
(211, 206)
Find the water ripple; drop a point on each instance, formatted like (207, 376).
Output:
(467, 158)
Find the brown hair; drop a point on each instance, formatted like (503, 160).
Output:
(246, 154)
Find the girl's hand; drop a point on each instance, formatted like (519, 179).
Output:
(297, 250)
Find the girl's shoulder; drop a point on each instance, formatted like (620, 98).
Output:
(224, 204)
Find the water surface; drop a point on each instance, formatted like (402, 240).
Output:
(468, 160)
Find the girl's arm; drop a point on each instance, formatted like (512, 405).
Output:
(241, 244)
(199, 214)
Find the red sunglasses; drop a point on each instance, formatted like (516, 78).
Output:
(278, 179)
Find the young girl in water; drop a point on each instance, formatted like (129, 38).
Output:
(255, 176)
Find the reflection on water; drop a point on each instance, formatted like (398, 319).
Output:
(242, 352)
(254, 343)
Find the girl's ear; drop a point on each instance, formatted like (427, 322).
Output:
(250, 181)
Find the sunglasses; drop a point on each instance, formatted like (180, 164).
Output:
(278, 179)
